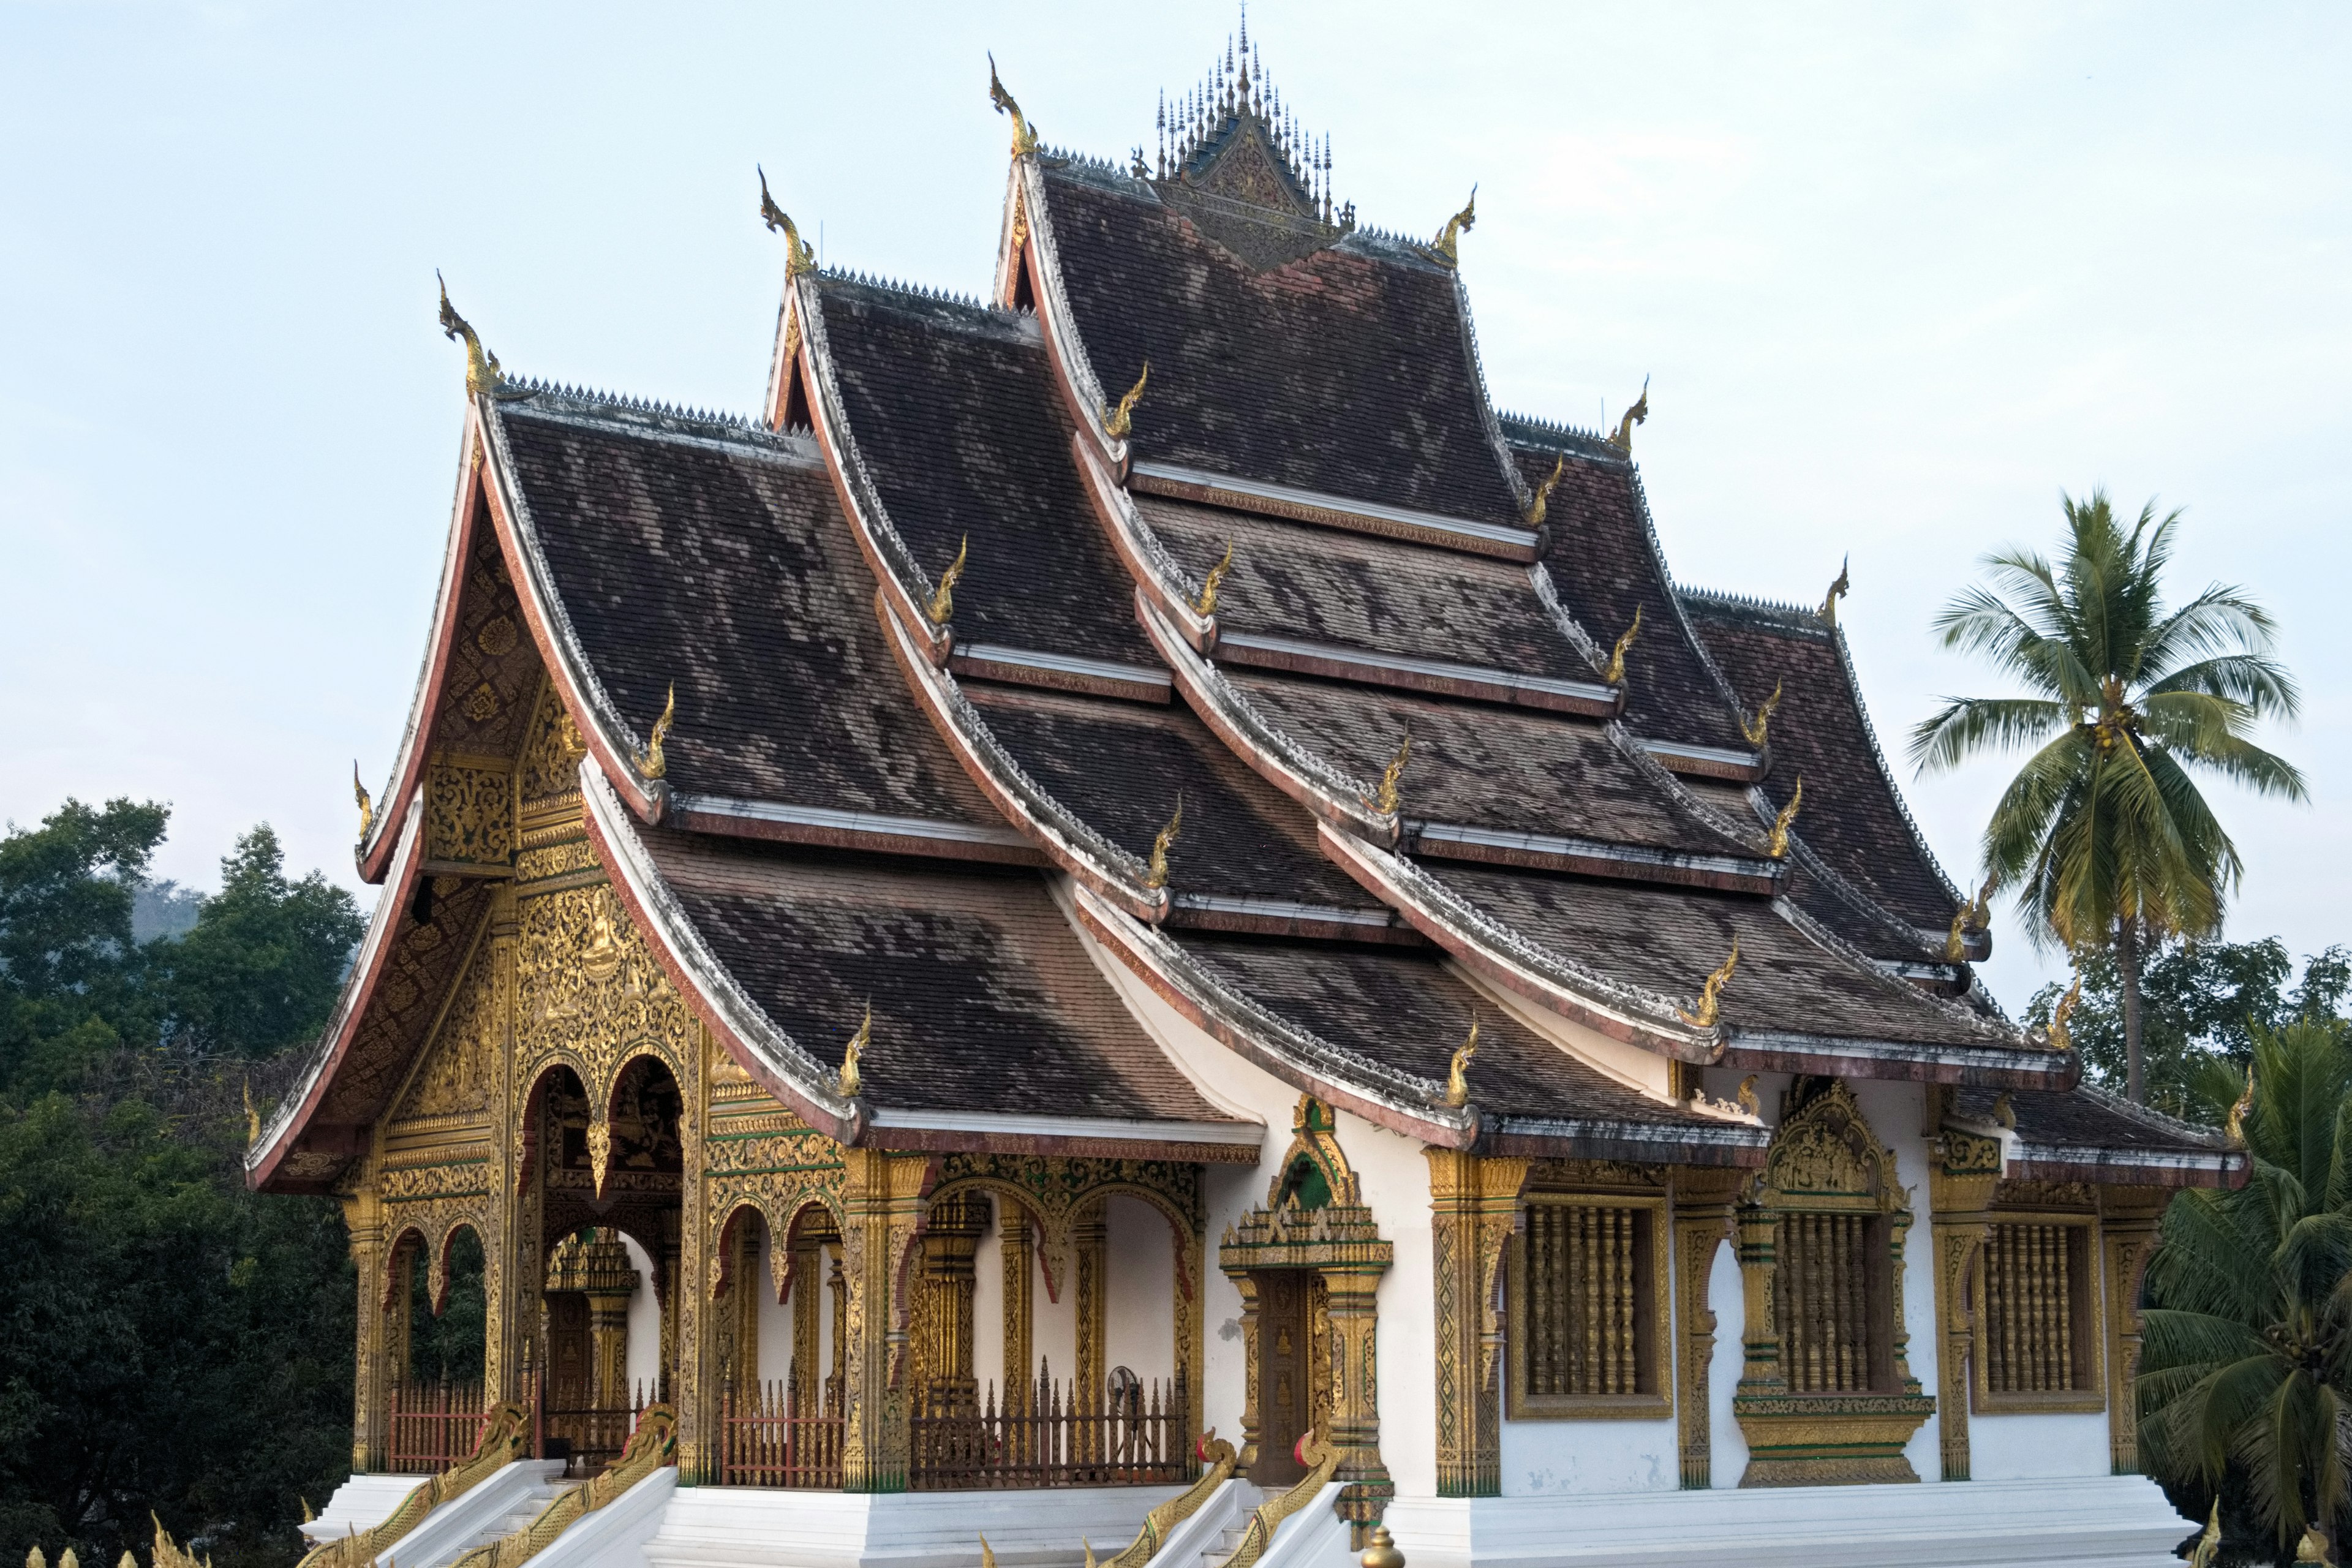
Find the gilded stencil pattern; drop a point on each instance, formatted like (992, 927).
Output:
(591, 993)
(455, 1077)
(468, 814)
(552, 751)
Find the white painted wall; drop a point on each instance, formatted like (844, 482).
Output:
(2037, 1447)
(988, 1305)
(1894, 1112)
(1727, 1298)
(1054, 1325)
(775, 1317)
(645, 1326)
(1140, 1307)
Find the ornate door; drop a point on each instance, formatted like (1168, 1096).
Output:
(1293, 1386)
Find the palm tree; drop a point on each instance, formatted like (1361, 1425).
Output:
(2102, 829)
(2245, 1384)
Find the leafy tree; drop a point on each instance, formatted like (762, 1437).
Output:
(2103, 832)
(2245, 1387)
(260, 968)
(69, 976)
(2200, 1002)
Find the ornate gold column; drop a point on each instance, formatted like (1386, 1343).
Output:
(944, 1376)
(1961, 1177)
(688, 1353)
(806, 1379)
(1474, 1203)
(1702, 1200)
(1089, 1250)
(2128, 1236)
(885, 1196)
(608, 1340)
(836, 1378)
(1013, 1232)
(510, 1261)
(363, 1222)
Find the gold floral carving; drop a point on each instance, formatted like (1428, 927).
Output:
(592, 994)
(1703, 1223)
(1474, 1203)
(549, 774)
(1962, 1179)
(468, 815)
(454, 1077)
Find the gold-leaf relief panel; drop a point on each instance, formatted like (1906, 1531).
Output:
(493, 668)
(590, 990)
(454, 1078)
(468, 814)
(549, 772)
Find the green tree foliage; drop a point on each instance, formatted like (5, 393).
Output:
(2201, 1004)
(2104, 833)
(2245, 1386)
(168, 1340)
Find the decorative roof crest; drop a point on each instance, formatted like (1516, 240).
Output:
(1615, 673)
(1206, 605)
(1778, 845)
(1117, 422)
(1457, 1071)
(1448, 243)
(941, 608)
(1542, 504)
(1828, 611)
(798, 257)
(1623, 437)
(1024, 138)
(1757, 729)
(1711, 995)
(367, 806)
(851, 1080)
(653, 764)
(482, 372)
(1156, 874)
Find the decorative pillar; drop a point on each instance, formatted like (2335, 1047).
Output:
(1353, 1290)
(1961, 1177)
(1013, 1236)
(689, 1360)
(1703, 1222)
(363, 1222)
(836, 1378)
(2129, 1218)
(885, 1196)
(510, 1260)
(608, 1356)
(1090, 1256)
(808, 1287)
(1474, 1206)
(944, 1378)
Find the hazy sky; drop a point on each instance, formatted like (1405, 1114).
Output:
(1899, 276)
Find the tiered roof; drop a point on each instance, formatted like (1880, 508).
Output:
(956, 632)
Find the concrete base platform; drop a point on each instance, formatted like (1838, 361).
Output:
(743, 1527)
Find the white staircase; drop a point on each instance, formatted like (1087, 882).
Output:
(524, 1507)
(1227, 1541)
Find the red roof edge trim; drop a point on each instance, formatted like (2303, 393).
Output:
(1398, 1101)
(1107, 868)
(612, 740)
(1074, 370)
(374, 850)
(292, 1118)
(1158, 577)
(1611, 1009)
(775, 1061)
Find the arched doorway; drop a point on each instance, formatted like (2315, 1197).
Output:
(436, 1311)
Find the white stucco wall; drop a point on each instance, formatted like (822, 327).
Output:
(1727, 1298)
(775, 1364)
(988, 1307)
(2037, 1447)
(1054, 1325)
(1139, 1306)
(645, 1326)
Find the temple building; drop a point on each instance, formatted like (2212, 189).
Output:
(1130, 901)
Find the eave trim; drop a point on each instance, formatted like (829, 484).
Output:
(870, 830)
(1439, 677)
(1495, 539)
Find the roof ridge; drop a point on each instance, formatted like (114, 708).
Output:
(1747, 601)
(923, 292)
(536, 387)
(1559, 426)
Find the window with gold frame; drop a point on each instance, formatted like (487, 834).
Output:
(2038, 1306)
(1586, 1309)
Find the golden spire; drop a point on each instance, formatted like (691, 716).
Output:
(942, 605)
(1778, 845)
(1615, 673)
(1116, 422)
(1088, 1548)
(1637, 415)
(1972, 915)
(2057, 1034)
(851, 1080)
(1457, 1072)
(1448, 243)
(252, 1117)
(2236, 1125)
(367, 806)
(482, 372)
(798, 257)
(1762, 724)
(1206, 603)
(1712, 991)
(1537, 507)
(1025, 140)
(1386, 802)
(307, 1515)
(600, 1153)
(1156, 874)
(653, 764)
(1828, 611)
(1747, 1096)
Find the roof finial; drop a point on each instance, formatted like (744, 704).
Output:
(942, 603)
(1537, 507)
(482, 372)
(653, 764)
(1828, 611)
(1387, 800)
(851, 1080)
(1711, 995)
(1457, 1071)
(1206, 605)
(1449, 241)
(1637, 415)
(1117, 422)
(1156, 872)
(2058, 1032)
(1025, 140)
(367, 806)
(2236, 1125)
(798, 257)
(1762, 725)
(1615, 673)
(1778, 845)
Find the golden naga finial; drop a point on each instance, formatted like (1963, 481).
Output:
(1449, 241)
(1971, 916)
(1828, 611)
(2004, 1110)
(1206, 605)
(1615, 673)
(482, 372)
(252, 1118)
(2313, 1547)
(307, 1514)
(1747, 1096)
(2209, 1545)
(1711, 992)
(1762, 724)
(987, 1556)
(1386, 801)
(1025, 140)
(1542, 504)
(1088, 1548)
(653, 764)
(851, 1080)
(1116, 422)
(1637, 415)
(798, 257)
(367, 806)
(2236, 1125)
(1457, 1072)
(942, 605)
(1778, 845)
(2058, 1032)
(1156, 874)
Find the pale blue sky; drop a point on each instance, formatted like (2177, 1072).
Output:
(1899, 275)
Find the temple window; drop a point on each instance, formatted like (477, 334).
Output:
(2038, 1314)
(1832, 1302)
(1587, 1310)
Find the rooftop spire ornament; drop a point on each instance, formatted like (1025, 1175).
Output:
(1828, 611)
(1457, 1072)
(1637, 415)
(1615, 673)
(367, 806)
(1710, 994)
(1972, 915)
(798, 257)
(1116, 422)
(2236, 1125)
(1777, 845)
(1762, 725)
(1206, 605)
(653, 764)
(1386, 802)
(942, 606)
(1025, 140)
(851, 1080)
(252, 1117)
(1155, 874)
(482, 372)
(1448, 243)
(2058, 1036)
(1542, 504)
